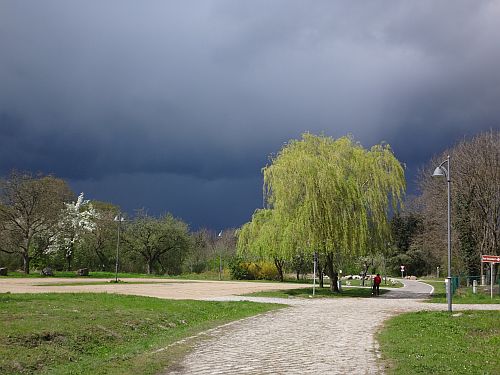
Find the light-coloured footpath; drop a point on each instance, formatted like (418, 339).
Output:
(316, 336)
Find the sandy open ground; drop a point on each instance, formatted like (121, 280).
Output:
(161, 288)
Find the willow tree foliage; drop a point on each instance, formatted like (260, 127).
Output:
(330, 196)
(266, 238)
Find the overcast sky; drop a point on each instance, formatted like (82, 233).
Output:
(175, 105)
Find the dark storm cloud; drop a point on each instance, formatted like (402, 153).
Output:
(203, 91)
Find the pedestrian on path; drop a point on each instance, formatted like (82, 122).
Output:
(376, 285)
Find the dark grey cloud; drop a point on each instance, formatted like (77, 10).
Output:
(191, 97)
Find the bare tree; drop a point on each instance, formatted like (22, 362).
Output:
(475, 179)
(30, 209)
(202, 251)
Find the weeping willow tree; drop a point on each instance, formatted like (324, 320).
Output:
(326, 195)
(266, 238)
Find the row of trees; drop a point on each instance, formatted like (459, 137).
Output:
(43, 223)
(325, 197)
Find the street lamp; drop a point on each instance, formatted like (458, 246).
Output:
(219, 237)
(445, 171)
(120, 219)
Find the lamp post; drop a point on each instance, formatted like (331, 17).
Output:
(219, 237)
(315, 266)
(442, 171)
(120, 219)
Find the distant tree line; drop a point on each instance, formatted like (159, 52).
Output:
(44, 224)
(324, 197)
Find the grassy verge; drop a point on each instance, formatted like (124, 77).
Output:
(462, 295)
(103, 333)
(440, 343)
(320, 293)
(389, 284)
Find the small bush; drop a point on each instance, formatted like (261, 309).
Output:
(241, 270)
(267, 271)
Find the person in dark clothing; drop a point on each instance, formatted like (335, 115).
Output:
(376, 285)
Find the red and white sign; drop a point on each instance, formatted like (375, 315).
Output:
(402, 268)
(491, 258)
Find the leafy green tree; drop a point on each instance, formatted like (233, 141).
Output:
(30, 212)
(265, 238)
(98, 247)
(154, 239)
(404, 228)
(407, 248)
(332, 196)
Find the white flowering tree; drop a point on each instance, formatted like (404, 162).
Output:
(76, 219)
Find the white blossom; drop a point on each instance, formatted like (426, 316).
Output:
(77, 217)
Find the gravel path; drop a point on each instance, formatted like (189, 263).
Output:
(320, 336)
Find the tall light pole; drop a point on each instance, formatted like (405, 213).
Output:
(442, 171)
(219, 237)
(120, 219)
(315, 266)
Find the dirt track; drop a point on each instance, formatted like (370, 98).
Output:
(161, 288)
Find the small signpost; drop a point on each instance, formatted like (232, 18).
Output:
(491, 259)
(402, 271)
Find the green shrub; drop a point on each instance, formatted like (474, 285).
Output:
(262, 270)
(239, 269)
(267, 271)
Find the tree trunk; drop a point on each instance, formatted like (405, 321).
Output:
(26, 263)
(68, 262)
(365, 271)
(320, 271)
(336, 281)
(279, 263)
(334, 287)
(103, 261)
(150, 266)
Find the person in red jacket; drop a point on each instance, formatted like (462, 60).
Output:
(376, 284)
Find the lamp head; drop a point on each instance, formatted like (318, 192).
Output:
(439, 172)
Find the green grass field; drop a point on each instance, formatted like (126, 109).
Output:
(440, 343)
(463, 295)
(103, 333)
(320, 293)
(389, 284)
